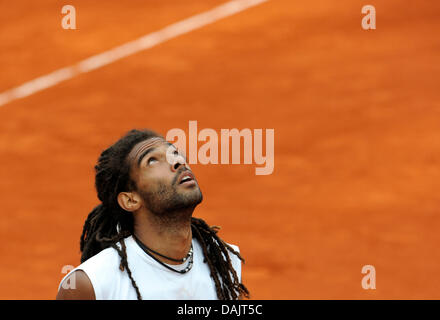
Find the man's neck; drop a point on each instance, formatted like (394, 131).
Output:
(169, 237)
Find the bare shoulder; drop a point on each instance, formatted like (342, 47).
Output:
(80, 287)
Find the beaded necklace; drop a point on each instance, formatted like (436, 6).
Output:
(148, 251)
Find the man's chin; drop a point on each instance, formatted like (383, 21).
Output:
(190, 191)
(181, 199)
(193, 197)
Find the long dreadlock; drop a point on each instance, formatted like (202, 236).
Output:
(108, 224)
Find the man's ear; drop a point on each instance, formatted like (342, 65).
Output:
(129, 201)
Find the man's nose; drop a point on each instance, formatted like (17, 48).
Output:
(178, 161)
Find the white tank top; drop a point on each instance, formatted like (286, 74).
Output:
(155, 282)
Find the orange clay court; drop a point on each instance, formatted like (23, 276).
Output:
(357, 137)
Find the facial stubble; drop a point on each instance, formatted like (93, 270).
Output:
(168, 205)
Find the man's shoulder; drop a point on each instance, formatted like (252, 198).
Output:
(103, 262)
(235, 247)
(105, 254)
(79, 287)
(97, 269)
(106, 262)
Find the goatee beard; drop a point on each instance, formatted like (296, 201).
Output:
(168, 206)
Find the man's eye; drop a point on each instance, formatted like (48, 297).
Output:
(177, 153)
(151, 159)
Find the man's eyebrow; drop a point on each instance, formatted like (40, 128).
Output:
(143, 154)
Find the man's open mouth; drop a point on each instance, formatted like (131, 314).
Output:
(186, 178)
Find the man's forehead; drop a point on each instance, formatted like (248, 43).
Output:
(142, 146)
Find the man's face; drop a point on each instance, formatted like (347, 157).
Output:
(162, 177)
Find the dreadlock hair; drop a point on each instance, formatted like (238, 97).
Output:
(108, 224)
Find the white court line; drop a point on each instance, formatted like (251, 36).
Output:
(127, 49)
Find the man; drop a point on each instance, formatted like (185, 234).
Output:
(142, 242)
